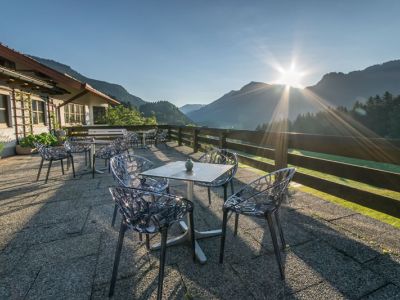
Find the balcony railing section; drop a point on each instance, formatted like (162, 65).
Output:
(268, 151)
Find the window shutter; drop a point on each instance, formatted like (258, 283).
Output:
(9, 112)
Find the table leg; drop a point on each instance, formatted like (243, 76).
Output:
(201, 257)
(92, 159)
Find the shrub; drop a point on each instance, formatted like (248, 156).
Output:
(44, 138)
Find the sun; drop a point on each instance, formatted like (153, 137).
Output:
(291, 77)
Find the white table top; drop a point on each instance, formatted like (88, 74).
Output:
(202, 172)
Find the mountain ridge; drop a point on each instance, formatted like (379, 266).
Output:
(114, 90)
(257, 102)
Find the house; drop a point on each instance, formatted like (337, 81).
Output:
(35, 98)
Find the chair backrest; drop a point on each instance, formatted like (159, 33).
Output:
(126, 168)
(272, 186)
(48, 152)
(121, 144)
(148, 212)
(221, 156)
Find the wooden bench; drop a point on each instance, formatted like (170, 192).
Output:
(107, 132)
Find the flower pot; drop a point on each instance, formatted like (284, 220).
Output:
(24, 150)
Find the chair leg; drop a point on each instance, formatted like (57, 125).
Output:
(232, 189)
(278, 223)
(72, 164)
(40, 169)
(94, 164)
(62, 167)
(117, 256)
(147, 242)
(90, 158)
(164, 233)
(236, 224)
(209, 195)
(114, 215)
(223, 235)
(86, 159)
(192, 235)
(48, 170)
(276, 246)
(225, 192)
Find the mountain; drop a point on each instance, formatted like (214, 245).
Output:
(165, 112)
(190, 107)
(113, 90)
(345, 89)
(245, 108)
(257, 102)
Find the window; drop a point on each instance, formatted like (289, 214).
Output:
(37, 112)
(3, 109)
(99, 115)
(74, 113)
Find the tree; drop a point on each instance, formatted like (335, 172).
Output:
(123, 116)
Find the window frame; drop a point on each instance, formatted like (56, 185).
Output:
(74, 113)
(37, 112)
(5, 109)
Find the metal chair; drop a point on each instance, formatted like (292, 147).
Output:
(126, 169)
(122, 145)
(149, 213)
(74, 146)
(104, 152)
(132, 138)
(220, 156)
(261, 198)
(161, 137)
(53, 154)
(150, 137)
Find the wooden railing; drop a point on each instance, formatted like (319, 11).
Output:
(273, 148)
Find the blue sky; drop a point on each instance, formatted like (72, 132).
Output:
(195, 51)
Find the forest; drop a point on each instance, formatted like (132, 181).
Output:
(379, 116)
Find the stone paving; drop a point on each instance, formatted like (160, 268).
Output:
(56, 242)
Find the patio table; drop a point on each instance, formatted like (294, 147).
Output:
(93, 150)
(143, 133)
(202, 172)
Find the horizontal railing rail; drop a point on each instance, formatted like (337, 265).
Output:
(274, 151)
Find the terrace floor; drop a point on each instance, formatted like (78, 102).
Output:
(56, 242)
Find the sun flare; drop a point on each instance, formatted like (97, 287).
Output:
(291, 77)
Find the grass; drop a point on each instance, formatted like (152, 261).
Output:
(353, 206)
(349, 160)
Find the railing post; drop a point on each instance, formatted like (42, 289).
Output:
(169, 133)
(195, 140)
(281, 150)
(222, 139)
(180, 136)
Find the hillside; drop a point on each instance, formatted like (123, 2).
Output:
(165, 112)
(188, 108)
(345, 89)
(113, 90)
(256, 102)
(243, 109)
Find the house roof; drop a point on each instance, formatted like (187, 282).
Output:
(55, 75)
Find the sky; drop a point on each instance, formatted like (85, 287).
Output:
(196, 51)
